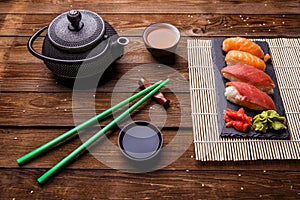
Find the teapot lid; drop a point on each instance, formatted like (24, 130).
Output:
(76, 30)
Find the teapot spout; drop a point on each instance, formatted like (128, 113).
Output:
(123, 41)
(118, 46)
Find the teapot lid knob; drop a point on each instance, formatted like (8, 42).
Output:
(76, 30)
(74, 17)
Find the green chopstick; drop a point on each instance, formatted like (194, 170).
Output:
(45, 147)
(64, 162)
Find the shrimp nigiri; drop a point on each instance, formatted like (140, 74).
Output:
(244, 44)
(234, 57)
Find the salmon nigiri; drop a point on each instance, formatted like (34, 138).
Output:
(244, 44)
(248, 96)
(234, 57)
(251, 75)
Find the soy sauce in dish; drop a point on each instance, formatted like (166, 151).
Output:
(140, 141)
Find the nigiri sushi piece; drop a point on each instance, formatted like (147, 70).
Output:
(234, 57)
(251, 75)
(249, 96)
(244, 44)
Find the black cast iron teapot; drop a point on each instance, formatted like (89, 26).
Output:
(79, 44)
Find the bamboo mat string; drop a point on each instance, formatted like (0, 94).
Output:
(209, 146)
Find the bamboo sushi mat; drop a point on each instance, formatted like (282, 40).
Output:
(209, 146)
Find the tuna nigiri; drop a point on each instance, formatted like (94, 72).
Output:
(234, 57)
(248, 96)
(251, 75)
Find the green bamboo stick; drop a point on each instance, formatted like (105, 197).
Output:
(64, 162)
(45, 147)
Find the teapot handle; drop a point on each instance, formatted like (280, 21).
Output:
(50, 59)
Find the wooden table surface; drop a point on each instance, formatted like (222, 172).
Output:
(35, 107)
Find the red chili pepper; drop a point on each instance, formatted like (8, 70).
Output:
(237, 119)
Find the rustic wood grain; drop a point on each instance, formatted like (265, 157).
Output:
(59, 109)
(35, 107)
(111, 184)
(15, 51)
(156, 6)
(37, 78)
(194, 24)
(30, 74)
(16, 142)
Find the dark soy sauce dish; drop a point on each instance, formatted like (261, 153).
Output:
(140, 141)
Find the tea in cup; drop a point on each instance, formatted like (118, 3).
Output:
(161, 39)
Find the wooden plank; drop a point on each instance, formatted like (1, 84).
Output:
(61, 109)
(16, 142)
(34, 108)
(156, 6)
(37, 78)
(16, 52)
(190, 24)
(111, 184)
(28, 73)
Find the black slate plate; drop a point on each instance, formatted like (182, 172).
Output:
(219, 63)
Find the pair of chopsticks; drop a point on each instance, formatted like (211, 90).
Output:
(68, 159)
